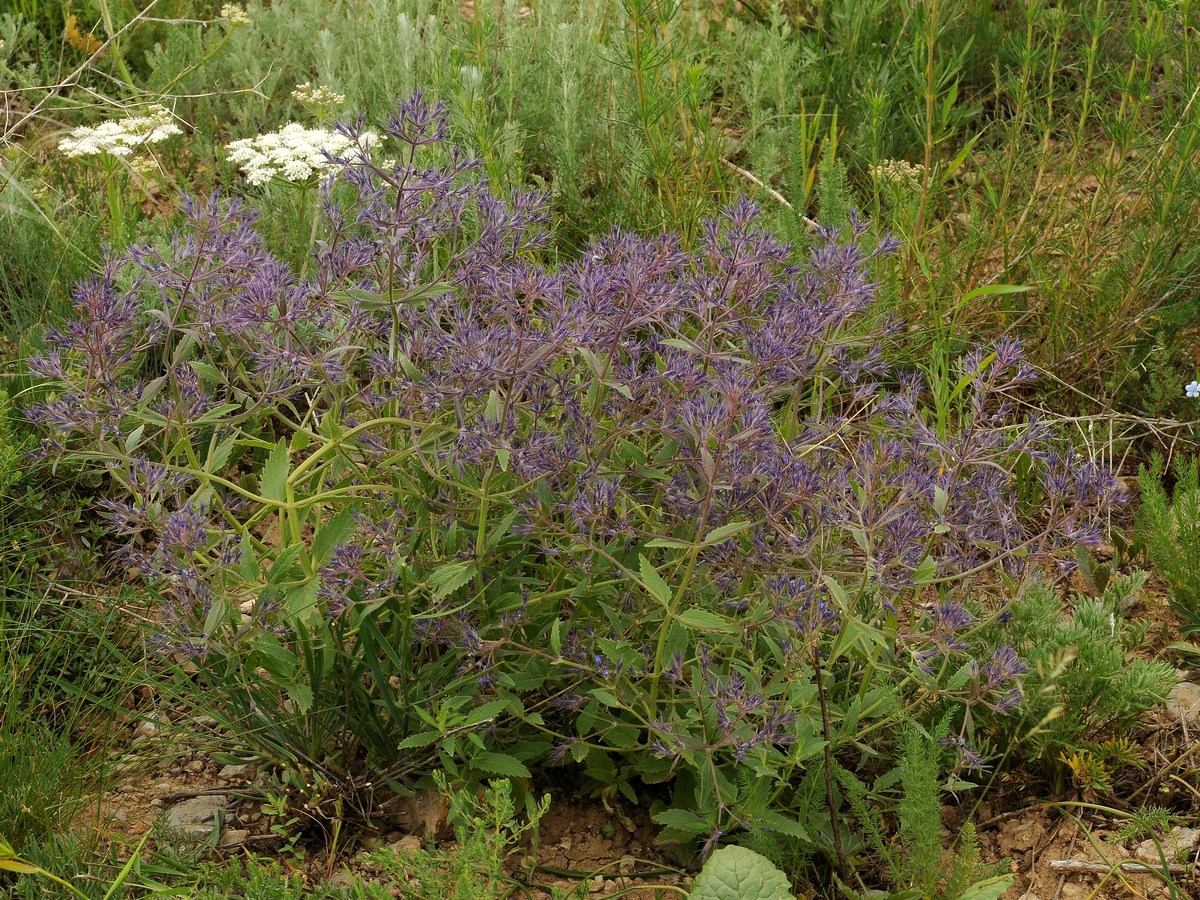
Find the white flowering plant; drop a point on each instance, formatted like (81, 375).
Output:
(116, 148)
(294, 153)
(121, 138)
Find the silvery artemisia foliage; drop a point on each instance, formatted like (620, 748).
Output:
(644, 390)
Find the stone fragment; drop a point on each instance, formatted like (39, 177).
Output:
(1176, 846)
(235, 771)
(234, 837)
(1184, 703)
(196, 765)
(196, 817)
(408, 844)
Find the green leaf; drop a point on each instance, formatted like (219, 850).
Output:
(135, 438)
(486, 712)
(218, 457)
(783, 824)
(702, 620)
(286, 566)
(556, 637)
(21, 868)
(989, 889)
(449, 578)
(302, 696)
(248, 561)
(500, 764)
(420, 739)
(683, 820)
(608, 698)
(274, 473)
(206, 371)
(725, 532)
(332, 533)
(300, 600)
(670, 544)
(735, 873)
(653, 582)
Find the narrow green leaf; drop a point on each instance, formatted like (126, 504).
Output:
(683, 820)
(205, 371)
(274, 474)
(420, 739)
(783, 824)
(500, 764)
(449, 578)
(702, 620)
(725, 532)
(670, 544)
(653, 582)
(989, 889)
(301, 696)
(332, 533)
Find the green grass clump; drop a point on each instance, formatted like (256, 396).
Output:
(1169, 530)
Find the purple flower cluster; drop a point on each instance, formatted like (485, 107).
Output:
(643, 392)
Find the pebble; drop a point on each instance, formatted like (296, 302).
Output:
(1073, 890)
(196, 817)
(127, 788)
(232, 771)
(1184, 703)
(117, 815)
(408, 844)
(234, 837)
(196, 765)
(1175, 846)
(205, 721)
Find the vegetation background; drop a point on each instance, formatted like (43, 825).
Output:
(1036, 159)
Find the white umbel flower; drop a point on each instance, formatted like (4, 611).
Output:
(294, 152)
(234, 15)
(317, 95)
(121, 138)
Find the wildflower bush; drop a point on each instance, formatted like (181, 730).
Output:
(438, 503)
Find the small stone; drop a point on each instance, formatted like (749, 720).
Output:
(598, 883)
(205, 721)
(146, 728)
(1073, 890)
(232, 771)
(164, 787)
(1175, 846)
(408, 844)
(156, 803)
(117, 815)
(371, 842)
(341, 879)
(1184, 702)
(127, 788)
(196, 765)
(196, 817)
(234, 837)
(127, 763)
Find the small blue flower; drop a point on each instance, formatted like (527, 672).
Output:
(1193, 389)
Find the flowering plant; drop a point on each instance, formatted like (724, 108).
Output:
(294, 153)
(664, 513)
(117, 146)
